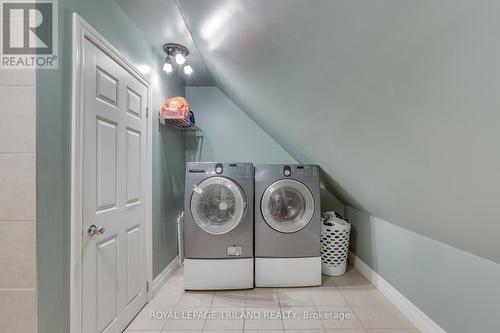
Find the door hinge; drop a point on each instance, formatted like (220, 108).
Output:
(147, 112)
(147, 286)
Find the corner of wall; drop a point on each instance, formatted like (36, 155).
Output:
(442, 281)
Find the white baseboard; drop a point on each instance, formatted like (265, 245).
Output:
(412, 312)
(161, 279)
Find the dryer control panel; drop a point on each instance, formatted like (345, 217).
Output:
(299, 170)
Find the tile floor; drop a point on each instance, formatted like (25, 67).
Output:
(351, 296)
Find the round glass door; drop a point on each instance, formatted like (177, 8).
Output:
(217, 205)
(287, 205)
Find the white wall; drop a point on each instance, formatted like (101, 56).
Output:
(17, 201)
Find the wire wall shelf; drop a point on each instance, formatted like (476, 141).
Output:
(178, 122)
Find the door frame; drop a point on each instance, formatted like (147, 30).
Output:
(83, 31)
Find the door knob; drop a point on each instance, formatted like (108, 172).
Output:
(95, 230)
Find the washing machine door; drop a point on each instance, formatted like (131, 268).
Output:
(287, 205)
(218, 205)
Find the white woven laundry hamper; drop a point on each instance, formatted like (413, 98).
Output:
(334, 244)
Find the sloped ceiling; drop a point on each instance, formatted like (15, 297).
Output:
(162, 22)
(397, 100)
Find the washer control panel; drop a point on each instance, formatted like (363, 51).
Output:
(223, 169)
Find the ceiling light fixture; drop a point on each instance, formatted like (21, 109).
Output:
(179, 58)
(188, 70)
(179, 53)
(167, 67)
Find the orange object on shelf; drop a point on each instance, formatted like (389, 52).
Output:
(175, 107)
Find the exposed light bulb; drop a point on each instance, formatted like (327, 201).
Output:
(188, 70)
(179, 58)
(167, 68)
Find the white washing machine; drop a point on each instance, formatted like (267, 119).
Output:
(287, 226)
(218, 226)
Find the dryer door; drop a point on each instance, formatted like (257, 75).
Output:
(287, 205)
(218, 205)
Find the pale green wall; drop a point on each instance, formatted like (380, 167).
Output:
(168, 180)
(458, 290)
(397, 100)
(53, 152)
(229, 135)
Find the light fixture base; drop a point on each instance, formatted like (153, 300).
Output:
(171, 49)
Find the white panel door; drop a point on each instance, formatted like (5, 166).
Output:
(114, 187)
